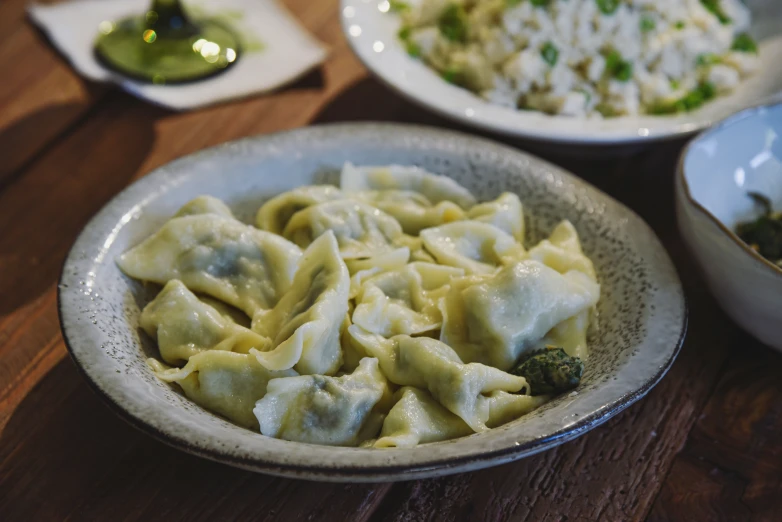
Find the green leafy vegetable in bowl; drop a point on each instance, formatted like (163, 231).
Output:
(453, 23)
(764, 235)
(550, 371)
(744, 43)
(691, 101)
(617, 67)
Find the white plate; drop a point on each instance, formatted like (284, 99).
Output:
(372, 35)
(642, 311)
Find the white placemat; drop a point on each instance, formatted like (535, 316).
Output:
(277, 49)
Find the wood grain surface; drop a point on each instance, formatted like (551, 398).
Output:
(705, 444)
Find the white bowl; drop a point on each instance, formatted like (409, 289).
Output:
(642, 311)
(371, 31)
(742, 154)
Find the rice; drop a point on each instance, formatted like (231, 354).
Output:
(585, 58)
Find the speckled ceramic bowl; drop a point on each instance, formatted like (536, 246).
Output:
(642, 310)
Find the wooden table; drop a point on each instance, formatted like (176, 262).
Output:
(705, 444)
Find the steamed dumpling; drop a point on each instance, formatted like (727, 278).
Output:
(361, 230)
(562, 251)
(417, 418)
(184, 326)
(430, 364)
(404, 301)
(505, 213)
(305, 324)
(413, 210)
(236, 263)
(433, 187)
(494, 319)
(275, 213)
(479, 248)
(227, 383)
(416, 247)
(571, 335)
(204, 205)
(363, 269)
(335, 411)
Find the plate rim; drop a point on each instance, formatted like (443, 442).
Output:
(391, 472)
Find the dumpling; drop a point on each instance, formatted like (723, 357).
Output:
(227, 383)
(477, 247)
(433, 365)
(416, 247)
(233, 262)
(204, 205)
(417, 418)
(228, 312)
(184, 326)
(404, 301)
(336, 411)
(362, 269)
(571, 335)
(361, 230)
(275, 213)
(505, 213)
(434, 187)
(413, 211)
(562, 251)
(305, 324)
(494, 319)
(505, 407)
(352, 351)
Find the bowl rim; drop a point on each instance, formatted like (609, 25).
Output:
(640, 134)
(422, 468)
(731, 120)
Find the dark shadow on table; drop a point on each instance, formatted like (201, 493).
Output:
(62, 185)
(65, 454)
(24, 137)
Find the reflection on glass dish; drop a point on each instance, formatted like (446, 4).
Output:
(165, 46)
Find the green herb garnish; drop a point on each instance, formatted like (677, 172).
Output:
(674, 84)
(540, 3)
(606, 110)
(764, 235)
(647, 24)
(617, 67)
(691, 101)
(714, 7)
(453, 23)
(550, 371)
(550, 54)
(454, 76)
(744, 43)
(707, 59)
(607, 7)
(679, 25)
(413, 49)
(398, 6)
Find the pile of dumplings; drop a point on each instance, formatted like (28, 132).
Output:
(384, 313)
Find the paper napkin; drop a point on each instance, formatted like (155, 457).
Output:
(277, 49)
